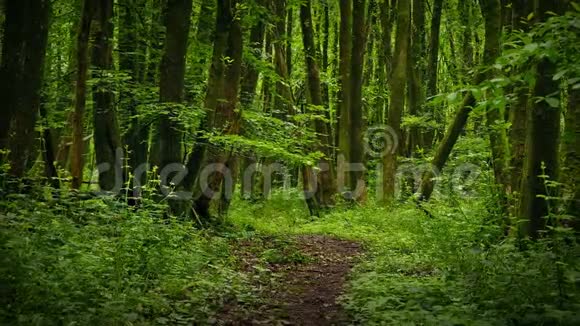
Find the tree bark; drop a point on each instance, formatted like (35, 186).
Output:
(491, 51)
(21, 74)
(384, 56)
(221, 102)
(542, 143)
(326, 178)
(397, 99)
(495, 118)
(345, 80)
(82, 59)
(416, 73)
(26, 33)
(107, 140)
(171, 84)
(289, 30)
(571, 166)
(433, 65)
(132, 61)
(356, 141)
(518, 111)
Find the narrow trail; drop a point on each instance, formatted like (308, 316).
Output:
(299, 291)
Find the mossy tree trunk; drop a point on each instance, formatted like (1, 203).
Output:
(343, 114)
(25, 40)
(571, 166)
(495, 117)
(326, 187)
(221, 104)
(82, 62)
(356, 130)
(416, 74)
(433, 66)
(542, 143)
(397, 98)
(386, 14)
(132, 60)
(107, 140)
(518, 111)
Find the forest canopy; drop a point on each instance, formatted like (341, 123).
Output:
(304, 162)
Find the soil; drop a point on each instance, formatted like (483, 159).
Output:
(299, 291)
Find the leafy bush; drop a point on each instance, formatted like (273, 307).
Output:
(97, 262)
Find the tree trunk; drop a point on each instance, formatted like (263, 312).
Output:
(384, 57)
(82, 59)
(26, 33)
(433, 66)
(171, 83)
(495, 117)
(221, 102)
(326, 177)
(356, 141)
(345, 80)
(519, 110)
(416, 73)
(132, 62)
(542, 144)
(571, 147)
(397, 100)
(465, 9)
(250, 75)
(491, 51)
(283, 100)
(107, 140)
(289, 30)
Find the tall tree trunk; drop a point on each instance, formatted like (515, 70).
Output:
(433, 65)
(106, 139)
(325, 38)
(202, 51)
(495, 116)
(2, 22)
(155, 49)
(26, 33)
(132, 61)
(397, 100)
(283, 99)
(289, 30)
(345, 80)
(221, 102)
(491, 51)
(326, 178)
(82, 59)
(250, 75)
(465, 9)
(171, 83)
(384, 56)
(518, 111)
(571, 147)
(542, 143)
(356, 141)
(416, 73)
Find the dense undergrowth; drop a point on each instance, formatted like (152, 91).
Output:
(450, 269)
(97, 262)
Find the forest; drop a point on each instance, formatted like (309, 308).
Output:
(289, 162)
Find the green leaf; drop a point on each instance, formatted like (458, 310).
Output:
(560, 74)
(553, 102)
(530, 16)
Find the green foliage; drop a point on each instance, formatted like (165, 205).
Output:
(97, 262)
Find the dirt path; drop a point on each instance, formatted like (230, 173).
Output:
(301, 286)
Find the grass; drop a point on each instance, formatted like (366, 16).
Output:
(97, 262)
